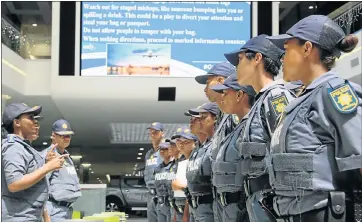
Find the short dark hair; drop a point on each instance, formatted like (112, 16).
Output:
(270, 66)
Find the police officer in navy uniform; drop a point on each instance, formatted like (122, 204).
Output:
(153, 159)
(227, 175)
(258, 62)
(24, 185)
(63, 183)
(163, 176)
(316, 153)
(198, 171)
(225, 123)
(186, 142)
(176, 213)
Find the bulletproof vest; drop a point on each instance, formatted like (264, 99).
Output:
(289, 172)
(35, 196)
(198, 172)
(163, 176)
(153, 159)
(254, 145)
(64, 183)
(227, 176)
(219, 135)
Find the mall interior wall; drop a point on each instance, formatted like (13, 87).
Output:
(41, 77)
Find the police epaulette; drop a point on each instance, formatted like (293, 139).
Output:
(10, 139)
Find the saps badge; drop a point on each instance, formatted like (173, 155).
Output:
(344, 98)
(279, 103)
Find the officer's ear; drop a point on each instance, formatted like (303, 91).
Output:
(239, 95)
(258, 58)
(16, 123)
(220, 79)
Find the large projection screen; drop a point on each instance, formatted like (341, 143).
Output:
(168, 39)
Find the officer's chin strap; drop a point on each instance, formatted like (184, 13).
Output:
(337, 206)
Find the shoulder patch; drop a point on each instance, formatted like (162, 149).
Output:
(235, 119)
(279, 103)
(344, 98)
(10, 139)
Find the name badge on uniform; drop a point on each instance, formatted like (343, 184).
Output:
(71, 170)
(151, 161)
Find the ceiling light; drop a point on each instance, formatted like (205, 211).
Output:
(45, 143)
(142, 148)
(139, 154)
(86, 164)
(97, 178)
(311, 7)
(92, 171)
(138, 158)
(77, 157)
(35, 25)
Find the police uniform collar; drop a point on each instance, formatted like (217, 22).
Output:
(207, 141)
(273, 83)
(165, 165)
(320, 79)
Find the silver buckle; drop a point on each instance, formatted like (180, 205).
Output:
(247, 187)
(193, 201)
(223, 200)
(180, 210)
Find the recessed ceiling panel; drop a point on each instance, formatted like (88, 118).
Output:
(137, 132)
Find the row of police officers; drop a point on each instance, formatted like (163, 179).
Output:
(264, 149)
(36, 186)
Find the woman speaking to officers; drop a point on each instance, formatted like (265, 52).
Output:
(25, 188)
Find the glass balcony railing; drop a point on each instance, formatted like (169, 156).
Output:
(10, 36)
(349, 17)
(28, 45)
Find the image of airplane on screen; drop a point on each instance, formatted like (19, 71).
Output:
(138, 59)
(148, 52)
